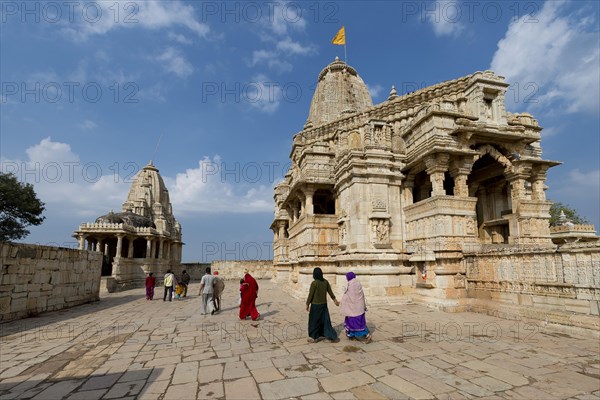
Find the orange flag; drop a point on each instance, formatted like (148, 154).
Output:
(340, 38)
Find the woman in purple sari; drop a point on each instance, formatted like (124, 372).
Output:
(353, 308)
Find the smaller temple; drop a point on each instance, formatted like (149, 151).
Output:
(568, 232)
(144, 237)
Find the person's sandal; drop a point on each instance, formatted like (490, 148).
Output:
(369, 339)
(310, 340)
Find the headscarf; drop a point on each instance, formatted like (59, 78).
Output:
(350, 276)
(216, 273)
(318, 274)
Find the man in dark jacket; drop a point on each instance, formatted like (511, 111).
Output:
(185, 281)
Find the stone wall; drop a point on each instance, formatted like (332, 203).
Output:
(36, 279)
(196, 270)
(259, 269)
(554, 285)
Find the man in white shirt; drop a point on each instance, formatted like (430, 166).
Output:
(168, 280)
(206, 291)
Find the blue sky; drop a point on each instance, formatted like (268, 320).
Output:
(90, 88)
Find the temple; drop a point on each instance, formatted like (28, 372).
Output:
(144, 237)
(437, 195)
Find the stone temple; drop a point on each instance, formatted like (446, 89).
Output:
(437, 195)
(144, 237)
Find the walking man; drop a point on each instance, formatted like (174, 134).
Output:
(206, 291)
(169, 279)
(185, 281)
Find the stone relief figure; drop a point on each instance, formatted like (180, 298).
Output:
(488, 109)
(378, 134)
(354, 141)
(383, 231)
(343, 233)
(380, 231)
(470, 226)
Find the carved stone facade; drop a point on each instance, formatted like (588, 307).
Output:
(144, 237)
(401, 191)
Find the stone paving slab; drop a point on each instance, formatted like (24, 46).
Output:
(127, 347)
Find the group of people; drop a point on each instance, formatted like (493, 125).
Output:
(353, 308)
(211, 289)
(171, 283)
(353, 305)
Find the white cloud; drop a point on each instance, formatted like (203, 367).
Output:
(179, 38)
(558, 55)
(106, 16)
(173, 61)
(374, 90)
(65, 183)
(88, 125)
(275, 29)
(285, 15)
(289, 46)
(88, 189)
(590, 179)
(263, 95)
(270, 58)
(207, 189)
(445, 18)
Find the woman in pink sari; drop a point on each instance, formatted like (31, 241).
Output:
(249, 294)
(353, 308)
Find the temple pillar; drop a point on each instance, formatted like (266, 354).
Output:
(81, 242)
(308, 194)
(282, 230)
(537, 187)
(130, 248)
(461, 168)
(160, 248)
(90, 244)
(119, 246)
(168, 250)
(149, 247)
(436, 167)
(407, 190)
(99, 247)
(517, 188)
(302, 209)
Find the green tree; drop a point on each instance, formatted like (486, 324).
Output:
(19, 208)
(570, 213)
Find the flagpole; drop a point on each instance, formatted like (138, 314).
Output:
(345, 58)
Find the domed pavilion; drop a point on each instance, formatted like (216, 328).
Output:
(144, 237)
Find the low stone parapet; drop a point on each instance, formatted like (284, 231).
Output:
(259, 269)
(36, 279)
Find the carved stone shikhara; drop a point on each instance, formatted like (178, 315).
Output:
(427, 181)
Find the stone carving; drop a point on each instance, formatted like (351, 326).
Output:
(378, 205)
(354, 140)
(380, 231)
(378, 134)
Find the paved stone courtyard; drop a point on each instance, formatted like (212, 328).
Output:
(127, 347)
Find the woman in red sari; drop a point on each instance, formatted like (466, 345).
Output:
(150, 284)
(249, 295)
